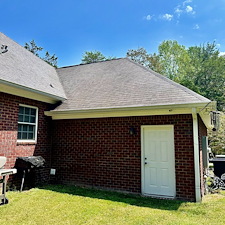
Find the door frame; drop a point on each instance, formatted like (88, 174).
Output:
(143, 161)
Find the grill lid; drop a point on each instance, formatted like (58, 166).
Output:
(30, 162)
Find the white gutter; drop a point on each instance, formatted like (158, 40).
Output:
(196, 156)
(169, 109)
(55, 97)
(122, 108)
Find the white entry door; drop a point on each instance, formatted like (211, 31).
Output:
(158, 161)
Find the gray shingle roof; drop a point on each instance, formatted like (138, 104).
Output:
(21, 67)
(120, 83)
(116, 83)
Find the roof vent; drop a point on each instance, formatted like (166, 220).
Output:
(3, 49)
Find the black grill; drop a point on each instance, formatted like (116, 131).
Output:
(30, 162)
(28, 167)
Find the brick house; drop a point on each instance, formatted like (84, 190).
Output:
(113, 124)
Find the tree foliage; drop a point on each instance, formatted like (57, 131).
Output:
(208, 72)
(32, 47)
(199, 68)
(174, 60)
(50, 59)
(141, 56)
(94, 56)
(37, 50)
(217, 138)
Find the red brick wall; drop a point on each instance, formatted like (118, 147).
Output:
(202, 131)
(9, 106)
(96, 152)
(102, 153)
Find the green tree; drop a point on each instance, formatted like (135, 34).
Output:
(32, 47)
(37, 50)
(141, 56)
(217, 138)
(94, 56)
(207, 72)
(199, 68)
(171, 60)
(50, 59)
(174, 60)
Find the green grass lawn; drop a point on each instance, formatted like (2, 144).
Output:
(72, 205)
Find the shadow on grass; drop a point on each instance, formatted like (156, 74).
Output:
(130, 199)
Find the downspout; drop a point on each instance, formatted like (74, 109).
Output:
(196, 156)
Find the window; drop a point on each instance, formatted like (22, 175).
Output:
(27, 123)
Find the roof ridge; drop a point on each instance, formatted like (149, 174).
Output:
(84, 64)
(187, 90)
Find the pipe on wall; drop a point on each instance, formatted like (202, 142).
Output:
(198, 197)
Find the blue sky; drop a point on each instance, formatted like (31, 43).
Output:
(68, 28)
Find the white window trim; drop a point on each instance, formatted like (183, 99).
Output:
(36, 126)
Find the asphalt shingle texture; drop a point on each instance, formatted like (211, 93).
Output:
(21, 67)
(117, 83)
(120, 83)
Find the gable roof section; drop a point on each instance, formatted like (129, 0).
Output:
(120, 83)
(22, 69)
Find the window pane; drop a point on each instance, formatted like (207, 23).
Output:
(20, 118)
(27, 111)
(31, 128)
(19, 135)
(24, 136)
(32, 119)
(26, 119)
(30, 136)
(19, 127)
(24, 128)
(21, 110)
(33, 112)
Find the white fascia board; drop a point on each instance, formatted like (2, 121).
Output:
(124, 112)
(22, 91)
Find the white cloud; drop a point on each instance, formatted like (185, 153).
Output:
(189, 9)
(222, 54)
(178, 11)
(186, 2)
(167, 16)
(148, 17)
(218, 45)
(184, 8)
(196, 27)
